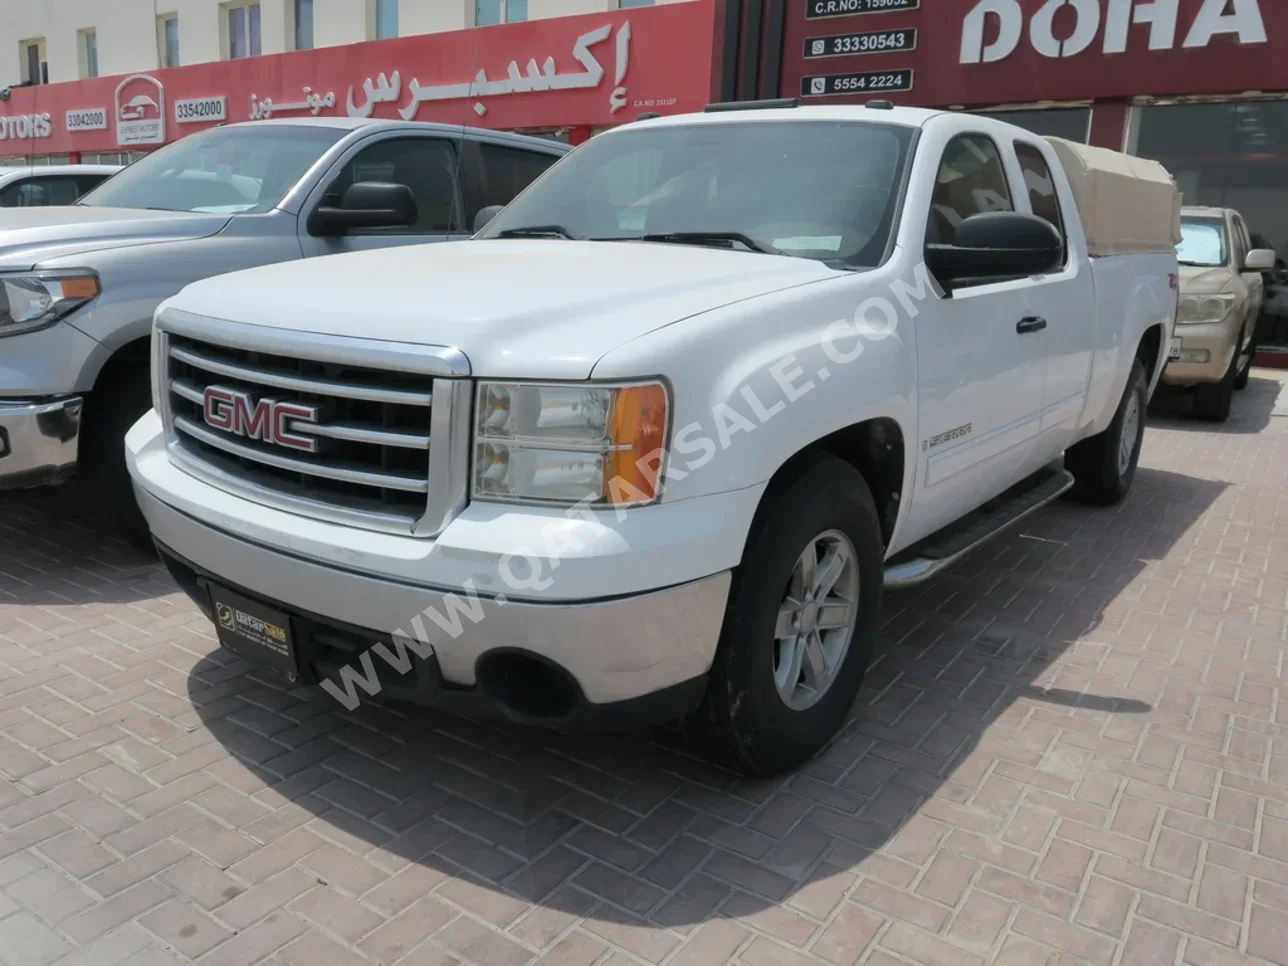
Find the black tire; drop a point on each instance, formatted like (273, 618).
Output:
(1098, 477)
(743, 715)
(116, 404)
(1243, 373)
(1212, 401)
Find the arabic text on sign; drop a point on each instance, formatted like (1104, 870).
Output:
(534, 77)
(862, 82)
(849, 8)
(314, 103)
(872, 42)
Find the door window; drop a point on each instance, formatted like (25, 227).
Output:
(427, 166)
(507, 171)
(1040, 185)
(971, 181)
(40, 192)
(1245, 243)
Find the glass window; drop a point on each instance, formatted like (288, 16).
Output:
(168, 38)
(386, 19)
(624, 4)
(34, 68)
(224, 170)
(85, 183)
(971, 180)
(1070, 123)
(1043, 198)
(425, 165)
(89, 53)
(814, 190)
(489, 12)
(507, 171)
(1231, 155)
(303, 24)
(243, 31)
(1245, 241)
(1203, 242)
(39, 192)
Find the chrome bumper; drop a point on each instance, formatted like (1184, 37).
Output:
(38, 441)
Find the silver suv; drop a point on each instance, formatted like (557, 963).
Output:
(79, 283)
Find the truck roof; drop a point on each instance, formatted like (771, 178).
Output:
(378, 123)
(905, 116)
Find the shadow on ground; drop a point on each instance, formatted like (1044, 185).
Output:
(631, 830)
(1250, 413)
(58, 546)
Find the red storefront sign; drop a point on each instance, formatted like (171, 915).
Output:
(984, 52)
(590, 70)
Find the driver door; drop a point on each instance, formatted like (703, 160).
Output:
(429, 165)
(981, 369)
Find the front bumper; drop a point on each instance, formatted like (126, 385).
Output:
(1220, 340)
(38, 441)
(514, 675)
(629, 638)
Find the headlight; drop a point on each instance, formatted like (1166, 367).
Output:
(562, 444)
(32, 300)
(1204, 308)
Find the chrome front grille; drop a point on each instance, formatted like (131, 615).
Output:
(315, 427)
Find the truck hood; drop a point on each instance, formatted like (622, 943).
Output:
(1203, 280)
(30, 236)
(538, 309)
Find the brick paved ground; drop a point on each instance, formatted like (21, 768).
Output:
(1072, 751)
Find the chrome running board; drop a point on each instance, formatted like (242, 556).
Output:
(946, 547)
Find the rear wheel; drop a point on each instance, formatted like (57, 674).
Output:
(801, 624)
(1104, 466)
(116, 404)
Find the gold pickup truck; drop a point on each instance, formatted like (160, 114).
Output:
(1222, 290)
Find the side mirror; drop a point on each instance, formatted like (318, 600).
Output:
(367, 204)
(996, 245)
(1260, 260)
(485, 215)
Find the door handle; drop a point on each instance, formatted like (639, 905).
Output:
(1030, 323)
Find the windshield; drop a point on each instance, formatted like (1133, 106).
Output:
(826, 191)
(1202, 242)
(224, 170)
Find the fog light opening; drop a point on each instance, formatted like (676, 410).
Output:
(527, 686)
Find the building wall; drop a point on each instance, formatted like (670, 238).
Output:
(127, 38)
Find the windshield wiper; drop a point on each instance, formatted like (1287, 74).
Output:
(722, 238)
(1181, 261)
(537, 231)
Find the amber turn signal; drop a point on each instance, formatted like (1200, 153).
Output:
(632, 472)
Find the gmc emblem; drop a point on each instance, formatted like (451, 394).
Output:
(243, 414)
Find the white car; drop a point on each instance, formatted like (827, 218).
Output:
(856, 341)
(54, 184)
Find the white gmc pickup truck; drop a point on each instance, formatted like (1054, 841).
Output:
(654, 442)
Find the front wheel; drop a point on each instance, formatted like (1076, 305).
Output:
(802, 620)
(116, 404)
(1243, 374)
(1213, 400)
(1104, 465)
